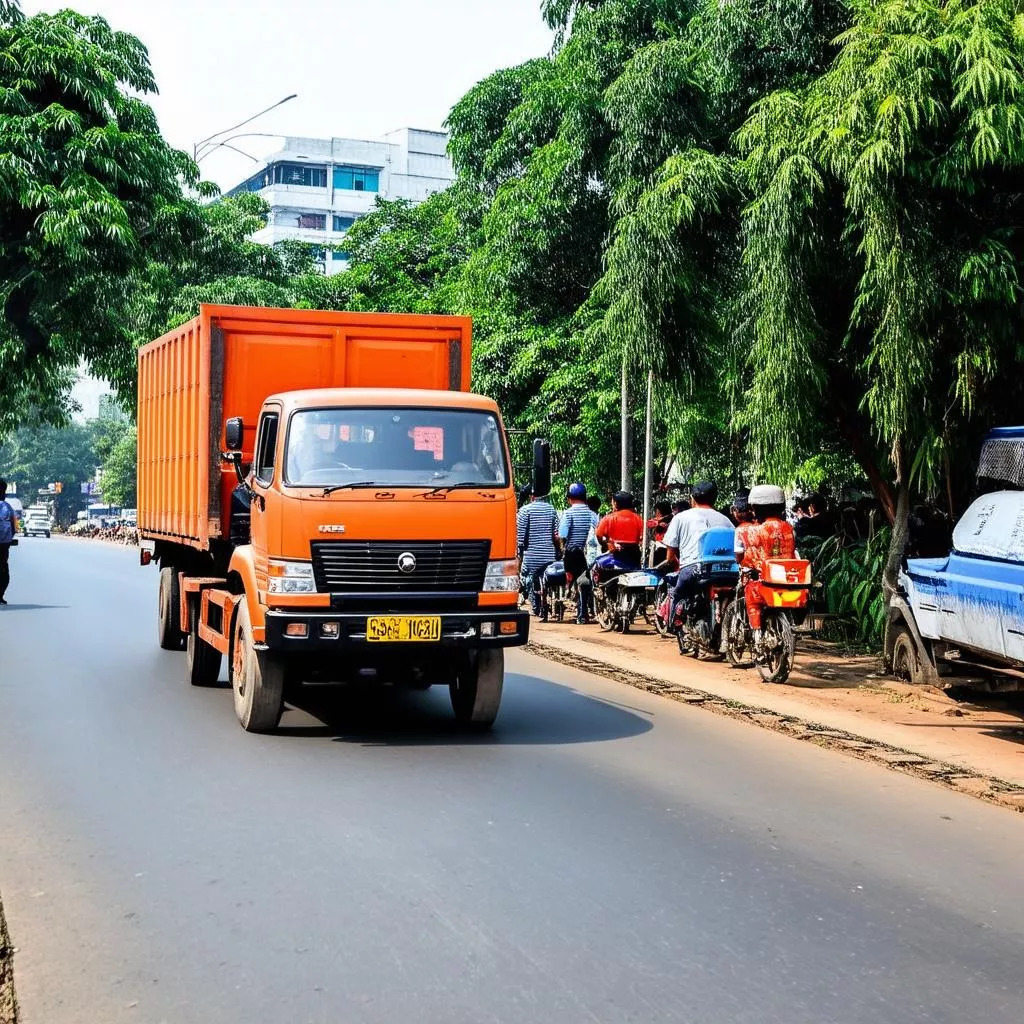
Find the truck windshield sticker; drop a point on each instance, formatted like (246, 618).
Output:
(429, 439)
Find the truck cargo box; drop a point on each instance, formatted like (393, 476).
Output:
(228, 359)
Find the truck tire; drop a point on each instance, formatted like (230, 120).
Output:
(906, 663)
(257, 678)
(202, 662)
(476, 692)
(170, 635)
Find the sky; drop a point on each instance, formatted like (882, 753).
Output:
(361, 68)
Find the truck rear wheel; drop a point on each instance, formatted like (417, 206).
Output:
(476, 692)
(170, 635)
(202, 662)
(257, 678)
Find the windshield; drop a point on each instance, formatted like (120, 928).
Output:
(395, 448)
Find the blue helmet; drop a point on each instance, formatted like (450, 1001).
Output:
(577, 492)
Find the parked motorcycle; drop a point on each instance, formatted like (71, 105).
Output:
(663, 621)
(554, 588)
(785, 587)
(620, 600)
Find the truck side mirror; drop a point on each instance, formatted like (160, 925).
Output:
(234, 432)
(541, 467)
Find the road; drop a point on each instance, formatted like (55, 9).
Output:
(606, 855)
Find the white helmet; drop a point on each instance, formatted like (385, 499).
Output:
(766, 494)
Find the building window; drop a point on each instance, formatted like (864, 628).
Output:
(260, 180)
(357, 179)
(313, 221)
(300, 174)
(343, 223)
(339, 256)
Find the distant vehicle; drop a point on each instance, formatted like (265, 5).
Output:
(37, 521)
(103, 515)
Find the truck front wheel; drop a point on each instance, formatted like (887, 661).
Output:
(170, 635)
(257, 678)
(906, 663)
(476, 691)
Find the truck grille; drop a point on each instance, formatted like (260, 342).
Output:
(352, 566)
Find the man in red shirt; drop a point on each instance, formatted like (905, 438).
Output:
(770, 537)
(621, 533)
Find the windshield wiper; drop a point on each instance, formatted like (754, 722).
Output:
(455, 487)
(345, 487)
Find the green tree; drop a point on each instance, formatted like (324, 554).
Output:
(117, 478)
(884, 245)
(34, 457)
(89, 191)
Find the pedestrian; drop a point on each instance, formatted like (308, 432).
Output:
(573, 530)
(537, 531)
(8, 526)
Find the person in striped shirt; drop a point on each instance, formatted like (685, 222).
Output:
(573, 530)
(537, 531)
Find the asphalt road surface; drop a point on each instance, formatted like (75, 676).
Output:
(605, 855)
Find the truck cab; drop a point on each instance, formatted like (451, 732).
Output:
(378, 519)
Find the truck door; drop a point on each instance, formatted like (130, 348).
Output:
(263, 468)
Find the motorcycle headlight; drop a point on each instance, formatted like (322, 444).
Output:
(502, 576)
(290, 577)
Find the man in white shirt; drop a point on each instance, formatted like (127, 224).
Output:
(685, 532)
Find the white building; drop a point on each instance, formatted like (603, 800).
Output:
(317, 188)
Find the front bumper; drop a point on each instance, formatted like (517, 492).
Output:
(459, 631)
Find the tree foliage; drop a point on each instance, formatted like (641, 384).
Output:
(89, 191)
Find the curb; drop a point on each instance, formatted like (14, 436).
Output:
(8, 1002)
(962, 780)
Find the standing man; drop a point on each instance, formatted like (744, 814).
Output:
(8, 524)
(684, 534)
(573, 531)
(537, 529)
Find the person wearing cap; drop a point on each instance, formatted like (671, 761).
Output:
(573, 529)
(621, 533)
(537, 531)
(770, 537)
(682, 539)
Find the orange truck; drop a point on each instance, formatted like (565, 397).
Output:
(328, 503)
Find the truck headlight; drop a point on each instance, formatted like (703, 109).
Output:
(290, 577)
(502, 576)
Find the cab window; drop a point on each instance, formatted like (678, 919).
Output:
(266, 448)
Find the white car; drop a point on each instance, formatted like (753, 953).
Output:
(37, 521)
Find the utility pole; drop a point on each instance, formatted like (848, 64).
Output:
(625, 475)
(648, 457)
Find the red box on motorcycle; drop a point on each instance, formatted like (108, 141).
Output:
(785, 582)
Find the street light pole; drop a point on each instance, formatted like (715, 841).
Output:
(241, 124)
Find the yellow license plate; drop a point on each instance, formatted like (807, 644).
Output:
(403, 629)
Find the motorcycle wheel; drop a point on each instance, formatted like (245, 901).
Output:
(685, 645)
(777, 635)
(735, 630)
(662, 625)
(559, 608)
(603, 612)
(626, 613)
(703, 639)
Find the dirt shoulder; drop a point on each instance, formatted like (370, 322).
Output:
(976, 746)
(8, 1004)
